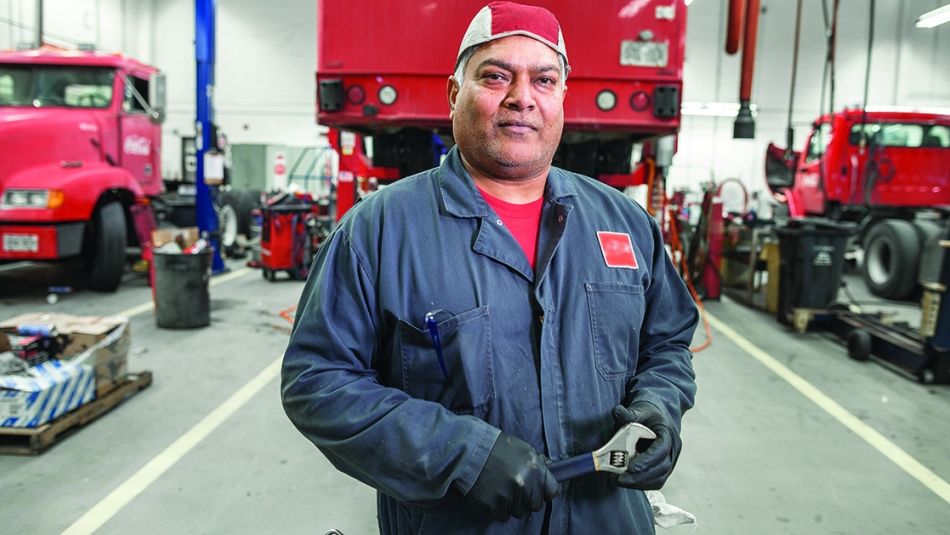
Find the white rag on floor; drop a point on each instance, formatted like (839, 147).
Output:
(666, 515)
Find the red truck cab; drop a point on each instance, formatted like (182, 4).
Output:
(80, 139)
(883, 169)
(901, 160)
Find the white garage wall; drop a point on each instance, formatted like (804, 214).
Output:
(267, 58)
(910, 67)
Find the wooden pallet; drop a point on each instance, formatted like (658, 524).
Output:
(31, 441)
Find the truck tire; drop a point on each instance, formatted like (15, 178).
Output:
(227, 226)
(241, 202)
(891, 257)
(105, 250)
(859, 344)
(246, 201)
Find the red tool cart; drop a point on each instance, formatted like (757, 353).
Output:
(293, 227)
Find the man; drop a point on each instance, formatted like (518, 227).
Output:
(466, 324)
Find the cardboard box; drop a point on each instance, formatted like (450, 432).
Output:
(99, 342)
(188, 236)
(47, 391)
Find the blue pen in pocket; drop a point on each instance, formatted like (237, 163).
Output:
(433, 327)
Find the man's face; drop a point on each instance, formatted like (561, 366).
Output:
(508, 114)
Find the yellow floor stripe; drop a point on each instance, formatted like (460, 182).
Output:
(229, 276)
(103, 511)
(96, 517)
(901, 458)
(136, 310)
(145, 307)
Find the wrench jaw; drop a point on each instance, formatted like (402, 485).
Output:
(616, 454)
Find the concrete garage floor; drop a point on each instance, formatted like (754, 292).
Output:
(759, 456)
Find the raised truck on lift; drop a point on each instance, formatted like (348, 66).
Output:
(382, 71)
(888, 171)
(80, 139)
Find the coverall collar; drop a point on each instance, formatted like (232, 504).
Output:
(461, 199)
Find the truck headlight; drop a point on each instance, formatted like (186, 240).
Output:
(33, 198)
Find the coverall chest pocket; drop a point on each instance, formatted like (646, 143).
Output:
(466, 347)
(616, 316)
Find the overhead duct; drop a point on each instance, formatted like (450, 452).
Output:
(734, 31)
(744, 127)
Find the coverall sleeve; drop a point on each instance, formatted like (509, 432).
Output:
(411, 449)
(664, 374)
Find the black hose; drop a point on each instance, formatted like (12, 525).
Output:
(831, 32)
(867, 78)
(847, 292)
(832, 45)
(824, 70)
(790, 133)
(871, 163)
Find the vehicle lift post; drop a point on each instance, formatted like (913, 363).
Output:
(940, 330)
(204, 61)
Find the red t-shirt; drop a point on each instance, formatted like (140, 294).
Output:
(522, 220)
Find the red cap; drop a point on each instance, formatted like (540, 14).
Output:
(504, 19)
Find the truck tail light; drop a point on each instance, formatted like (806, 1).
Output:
(606, 100)
(355, 95)
(331, 95)
(640, 101)
(666, 102)
(387, 95)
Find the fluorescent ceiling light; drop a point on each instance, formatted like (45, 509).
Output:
(713, 109)
(911, 109)
(934, 18)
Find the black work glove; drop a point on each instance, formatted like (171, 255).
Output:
(655, 458)
(515, 480)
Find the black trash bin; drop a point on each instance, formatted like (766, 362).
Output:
(181, 290)
(812, 261)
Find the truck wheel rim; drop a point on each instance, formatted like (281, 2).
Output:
(227, 221)
(879, 260)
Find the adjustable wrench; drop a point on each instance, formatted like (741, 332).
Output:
(613, 457)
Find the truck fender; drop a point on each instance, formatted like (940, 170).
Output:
(82, 186)
(95, 182)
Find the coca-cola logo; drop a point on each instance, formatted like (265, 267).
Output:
(137, 146)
